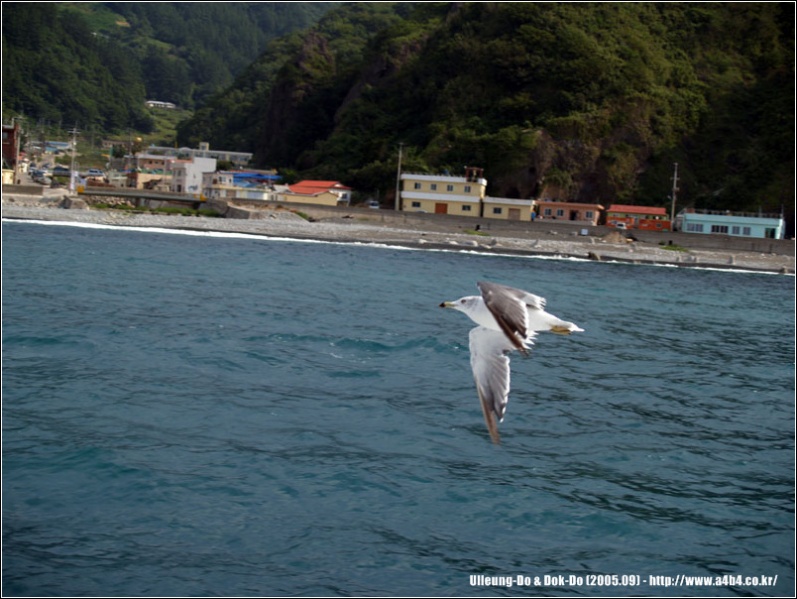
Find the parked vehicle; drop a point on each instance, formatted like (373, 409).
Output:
(94, 172)
(41, 178)
(60, 171)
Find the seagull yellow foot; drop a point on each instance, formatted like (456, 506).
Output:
(561, 330)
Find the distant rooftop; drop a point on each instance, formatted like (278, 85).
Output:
(730, 213)
(650, 210)
(204, 151)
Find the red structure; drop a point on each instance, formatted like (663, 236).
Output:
(644, 218)
(11, 134)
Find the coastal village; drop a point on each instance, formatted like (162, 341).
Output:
(193, 174)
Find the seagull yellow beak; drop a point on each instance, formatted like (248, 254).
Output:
(447, 305)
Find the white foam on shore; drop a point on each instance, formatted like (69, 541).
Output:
(200, 233)
(166, 230)
(374, 244)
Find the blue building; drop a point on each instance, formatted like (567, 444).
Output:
(54, 147)
(759, 226)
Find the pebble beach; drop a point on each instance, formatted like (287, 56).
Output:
(437, 234)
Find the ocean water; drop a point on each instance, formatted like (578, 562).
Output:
(210, 415)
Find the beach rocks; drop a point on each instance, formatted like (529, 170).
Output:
(614, 237)
(71, 203)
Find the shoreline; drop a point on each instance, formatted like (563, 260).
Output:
(439, 236)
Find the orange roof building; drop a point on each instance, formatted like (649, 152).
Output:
(329, 193)
(649, 218)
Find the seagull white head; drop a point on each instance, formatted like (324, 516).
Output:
(467, 304)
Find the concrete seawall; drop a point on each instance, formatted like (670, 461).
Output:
(364, 225)
(540, 229)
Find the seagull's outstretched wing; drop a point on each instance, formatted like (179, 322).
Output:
(490, 364)
(509, 307)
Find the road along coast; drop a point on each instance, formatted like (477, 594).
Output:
(384, 227)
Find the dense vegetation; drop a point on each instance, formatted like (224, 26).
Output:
(580, 101)
(190, 50)
(94, 64)
(573, 100)
(56, 69)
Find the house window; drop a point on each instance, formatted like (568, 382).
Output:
(416, 204)
(694, 228)
(434, 186)
(546, 212)
(588, 214)
(719, 228)
(466, 208)
(467, 189)
(417, 186)
(449, 188)
(498, 210)
(747, 231)
(735, 230)
(560, 213)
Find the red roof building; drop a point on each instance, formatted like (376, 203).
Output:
(319, 192)
(647, 218)
(309, 187)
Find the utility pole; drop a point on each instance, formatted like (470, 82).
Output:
(397, 203)
(17, 141)
(674, 195)
(74, 133)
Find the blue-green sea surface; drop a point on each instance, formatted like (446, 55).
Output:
(199, 415)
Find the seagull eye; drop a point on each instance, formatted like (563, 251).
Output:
(461, 301)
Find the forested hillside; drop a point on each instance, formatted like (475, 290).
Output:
(579, 101)
(55, 69)
(189, 50)
(94, 63)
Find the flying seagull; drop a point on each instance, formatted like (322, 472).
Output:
(509, 319)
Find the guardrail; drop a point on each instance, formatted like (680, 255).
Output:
(139, 194)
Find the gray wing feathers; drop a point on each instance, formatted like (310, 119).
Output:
(531, 300)
(490, 364)
(509, 307)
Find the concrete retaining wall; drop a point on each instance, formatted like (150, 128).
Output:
(25, 190)
(539, 229)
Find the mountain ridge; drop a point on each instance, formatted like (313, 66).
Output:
(574, 101)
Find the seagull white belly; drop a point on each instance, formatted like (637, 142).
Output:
(485, 318)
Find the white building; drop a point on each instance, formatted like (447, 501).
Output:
(761, 226)
(187, 175)
(159, 104)
(238, 159)
(443, 194)
(240, 185)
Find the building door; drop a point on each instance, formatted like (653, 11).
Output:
(514, 214)
(441, 208)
